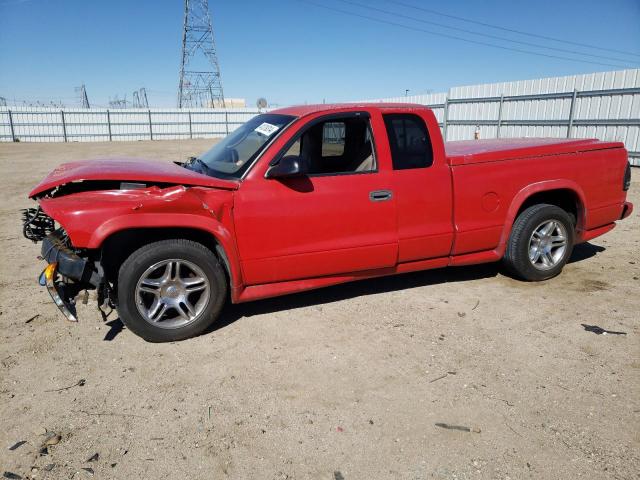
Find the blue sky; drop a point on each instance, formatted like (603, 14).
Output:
(294, 52)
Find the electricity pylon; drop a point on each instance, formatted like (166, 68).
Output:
(82, 93)
(140, 98)
(200, 81)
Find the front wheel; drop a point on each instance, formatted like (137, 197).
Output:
(540, 243)
(170, 290)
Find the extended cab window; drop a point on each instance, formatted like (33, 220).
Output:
(342, 145)
(409, 141)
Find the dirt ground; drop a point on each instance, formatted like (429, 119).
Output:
(348, 382)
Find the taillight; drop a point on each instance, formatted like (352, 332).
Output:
(626, 182)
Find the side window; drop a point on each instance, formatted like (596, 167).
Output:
(294, 150)
(409, 141)
(337, 146)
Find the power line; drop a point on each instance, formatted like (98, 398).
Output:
(488, 35)
(512, 30)
(474, 42)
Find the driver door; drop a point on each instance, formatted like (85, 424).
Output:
(339, 217)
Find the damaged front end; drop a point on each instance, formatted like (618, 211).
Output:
(69, 270)
(86, 208)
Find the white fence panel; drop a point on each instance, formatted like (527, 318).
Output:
(43, 124)
(604, 105)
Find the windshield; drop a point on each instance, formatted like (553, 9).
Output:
(230, 157)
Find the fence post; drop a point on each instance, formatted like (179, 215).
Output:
(109, 124)
(190, 130)
(500, 115)
(64, 126)
(13, 133)
(445, 118)
(226, 121)
(571, 112)
(150, 127)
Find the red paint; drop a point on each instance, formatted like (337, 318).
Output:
(267, 290)
(467, 152)
(596, 232)
(127, 169)
(283, 236)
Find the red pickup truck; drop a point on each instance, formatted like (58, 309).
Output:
(310, 196)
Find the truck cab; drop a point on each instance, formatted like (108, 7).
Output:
(371, 190)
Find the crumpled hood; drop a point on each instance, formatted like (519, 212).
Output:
(89, 217)
(128, 169)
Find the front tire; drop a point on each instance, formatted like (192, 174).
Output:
(170, 290)
(540, 243)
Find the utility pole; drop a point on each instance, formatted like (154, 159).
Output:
(200, 80)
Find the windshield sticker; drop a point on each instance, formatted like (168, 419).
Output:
(267, 129)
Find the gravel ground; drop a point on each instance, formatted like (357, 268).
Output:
(348, 382)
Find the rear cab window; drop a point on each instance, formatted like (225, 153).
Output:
(409, 141)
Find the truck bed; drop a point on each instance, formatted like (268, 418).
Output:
(467, 152)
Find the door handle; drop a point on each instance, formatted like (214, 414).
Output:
(380, 195)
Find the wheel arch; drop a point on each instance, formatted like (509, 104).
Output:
(565, 194)
(118, 240)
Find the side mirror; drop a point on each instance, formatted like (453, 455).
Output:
(289, 166)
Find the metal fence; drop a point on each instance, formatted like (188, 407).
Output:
(602, 105)
(39, 124)
(503, 107)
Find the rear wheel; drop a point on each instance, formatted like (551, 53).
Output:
(541, 243)
(170, 290)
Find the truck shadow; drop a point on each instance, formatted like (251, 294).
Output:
(585, 251)
(374, 286)
(359, 288)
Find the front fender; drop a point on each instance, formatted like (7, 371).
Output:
(220, 232)
(89, 218)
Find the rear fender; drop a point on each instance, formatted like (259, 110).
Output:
(528, 191)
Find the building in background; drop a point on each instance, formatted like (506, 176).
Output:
(228, 103)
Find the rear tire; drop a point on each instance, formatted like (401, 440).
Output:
(170, 290)
(540, 243)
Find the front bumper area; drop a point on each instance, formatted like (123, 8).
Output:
(66, 274)
(49, 278)
(70, 264)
